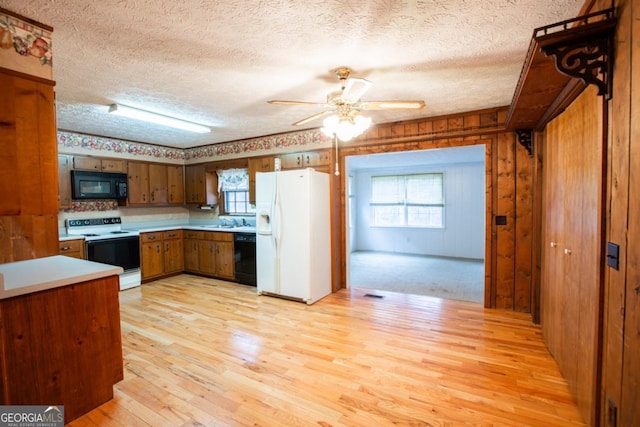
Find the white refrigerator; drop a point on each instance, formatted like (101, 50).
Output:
(293, 236)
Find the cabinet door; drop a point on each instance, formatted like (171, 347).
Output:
(87, 163)
(207, 256)
(157, 184)
(151, 259)
(321, 158)
(173, 256)
(195, 184)
(175, 184)
(224, 259)
(292, 161)
(191, 255)
(261, 164)
(113, 165)
(64, 181)
(138, 183)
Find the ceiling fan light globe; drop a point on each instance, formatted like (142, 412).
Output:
(362, 123)
(346, 130)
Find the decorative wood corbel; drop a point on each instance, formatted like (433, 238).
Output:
(584, 51)
(525, 138)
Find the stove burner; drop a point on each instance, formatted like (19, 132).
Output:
(90, 235)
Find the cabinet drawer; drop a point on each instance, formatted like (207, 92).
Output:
(219, 236)
(150, 237)
(172, 234)
(73, 248)
(190, 234)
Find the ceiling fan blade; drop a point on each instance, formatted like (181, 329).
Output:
(322, 104)
(314, 117)
(392, 105)
(354, 88)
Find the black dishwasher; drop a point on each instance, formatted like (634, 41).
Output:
(245, 258)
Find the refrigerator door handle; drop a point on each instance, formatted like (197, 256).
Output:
(275, 235)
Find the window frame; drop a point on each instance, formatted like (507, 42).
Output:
(223, 204)
(405, 205)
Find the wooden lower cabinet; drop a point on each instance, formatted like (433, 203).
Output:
(62, 346)
(173, 253)
(72, 248)
(191, 239)
(209, 253)
(161, 254)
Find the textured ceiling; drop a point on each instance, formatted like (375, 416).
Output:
(218, 62)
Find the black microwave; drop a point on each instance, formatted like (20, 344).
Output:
(98, 185)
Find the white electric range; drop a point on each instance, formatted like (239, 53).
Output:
(106, 242)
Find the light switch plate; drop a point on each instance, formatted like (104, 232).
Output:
(613, 255)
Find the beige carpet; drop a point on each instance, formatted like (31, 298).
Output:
(441, 277)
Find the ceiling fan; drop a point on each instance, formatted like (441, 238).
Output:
(346, 104)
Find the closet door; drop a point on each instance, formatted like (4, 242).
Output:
(572, 233)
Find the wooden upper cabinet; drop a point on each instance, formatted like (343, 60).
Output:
(320, 160)
(98, 164)
(28, 169)
(260, 164)
(87, 163)
(113, 165)
(201, 186)
(138, 183)
(64, 181)
(155, 184)
(158, 184)
(175, 184)
(195, 184)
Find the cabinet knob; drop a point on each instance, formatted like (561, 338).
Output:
(65, 248)
(567, 251)
(553, 244)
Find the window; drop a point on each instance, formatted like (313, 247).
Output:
(408, 200)
(233, 187)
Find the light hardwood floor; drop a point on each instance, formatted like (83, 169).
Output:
(206, 352)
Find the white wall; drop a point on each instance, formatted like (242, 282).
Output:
(464, 230)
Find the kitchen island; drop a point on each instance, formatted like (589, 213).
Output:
(60, 340)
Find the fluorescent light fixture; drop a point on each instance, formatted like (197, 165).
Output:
(147, 116)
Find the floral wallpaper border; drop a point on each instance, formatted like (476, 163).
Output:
(70, 141)
(25, 47)
(253, 145)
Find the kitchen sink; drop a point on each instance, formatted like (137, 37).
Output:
(220, 226)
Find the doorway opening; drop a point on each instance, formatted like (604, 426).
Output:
(415, 222)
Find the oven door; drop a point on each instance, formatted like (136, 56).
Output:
(121, 251)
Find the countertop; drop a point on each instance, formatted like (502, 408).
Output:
(150, 229)
(26, 277)
(239, 229)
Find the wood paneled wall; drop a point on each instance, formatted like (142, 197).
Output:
(509, 192)
(621, 329)
(28, 168)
